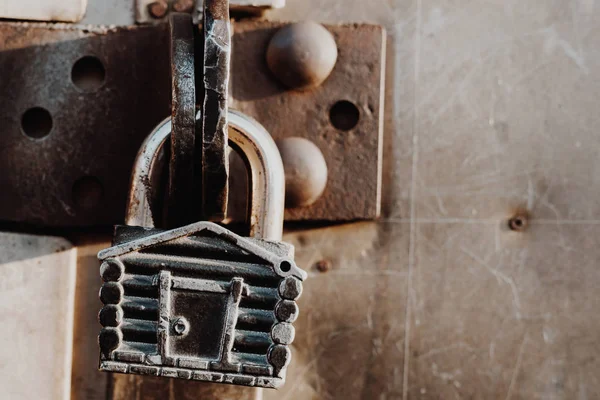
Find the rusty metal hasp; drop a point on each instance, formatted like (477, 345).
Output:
(199, 150)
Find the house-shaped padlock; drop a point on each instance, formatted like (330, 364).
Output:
(198, 302)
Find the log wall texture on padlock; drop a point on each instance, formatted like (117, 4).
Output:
(198, 303)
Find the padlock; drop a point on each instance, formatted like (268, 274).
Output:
(201, 302)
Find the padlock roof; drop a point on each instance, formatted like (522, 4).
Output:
(281, 265)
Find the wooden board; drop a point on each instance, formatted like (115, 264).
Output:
(37, 275)
(44, 10)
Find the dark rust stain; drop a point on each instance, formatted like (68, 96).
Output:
(520, 221)
(323, 265)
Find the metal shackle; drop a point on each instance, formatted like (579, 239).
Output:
(256, 147)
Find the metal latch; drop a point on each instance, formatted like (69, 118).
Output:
(78, 102)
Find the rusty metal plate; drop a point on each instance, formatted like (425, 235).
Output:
(87, 100)
(77, 103)
(354, 89)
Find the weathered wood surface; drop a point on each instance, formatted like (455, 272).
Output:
(37, 282)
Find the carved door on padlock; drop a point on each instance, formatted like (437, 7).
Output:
(198, 302)
(198, 319)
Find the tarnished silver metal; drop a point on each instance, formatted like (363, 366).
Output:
(201, 302)
(258, 149)
(180, 208)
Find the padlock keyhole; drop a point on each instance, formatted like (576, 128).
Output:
(285, 266)
(181, 326)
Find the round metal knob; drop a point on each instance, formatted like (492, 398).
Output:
(305, 171)
(302, 55)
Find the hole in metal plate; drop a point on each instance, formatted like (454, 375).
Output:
(36, 122)
(344, 115)
(88, 74)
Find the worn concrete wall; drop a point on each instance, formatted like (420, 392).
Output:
(491, 111)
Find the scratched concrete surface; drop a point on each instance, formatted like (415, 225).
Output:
(491, 108)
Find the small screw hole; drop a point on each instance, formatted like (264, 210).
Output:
(88, 74)
(344, 115)
(36, 122)
(518, 223)
(285, 266)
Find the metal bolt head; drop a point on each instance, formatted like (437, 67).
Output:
(302, 55)
(183, 6)
(158, 9)
(305, 171)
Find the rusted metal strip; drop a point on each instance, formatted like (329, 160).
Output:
(214, 163)
(183, 109)
(95, 133)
